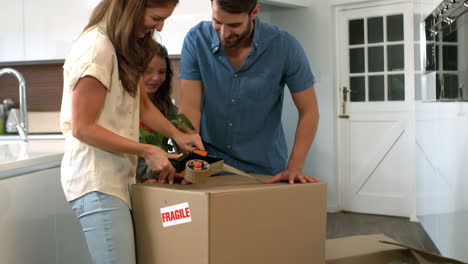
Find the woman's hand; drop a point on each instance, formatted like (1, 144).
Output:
(178, 178)
(158, 160)
(188, 142)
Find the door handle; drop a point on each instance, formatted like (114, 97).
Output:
(345, 91)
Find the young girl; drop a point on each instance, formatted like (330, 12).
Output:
(156, 81)
(101, 109)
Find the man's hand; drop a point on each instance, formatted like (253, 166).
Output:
(292, 175)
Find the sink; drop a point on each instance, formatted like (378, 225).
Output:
(56, 136)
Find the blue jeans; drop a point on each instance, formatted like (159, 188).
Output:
(107, 226)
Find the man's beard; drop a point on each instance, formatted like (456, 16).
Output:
(238, 38)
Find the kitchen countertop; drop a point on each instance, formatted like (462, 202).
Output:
(17, 157)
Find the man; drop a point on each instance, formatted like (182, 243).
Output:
(233, 72)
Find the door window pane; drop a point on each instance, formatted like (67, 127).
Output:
(377, 88)
(450, 58)
(358, 89)
(376, 62)
(395, 28)
(376, 59)
(429, 22)
(439, 87)
(396, 87)
(396, 58)
(450, 86)
(431, 55)
(418, 87)
(356, 60)
(450, 33)
(375, 30)
(356, 32)
(417, 56)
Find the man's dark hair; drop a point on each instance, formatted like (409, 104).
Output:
(237, 6)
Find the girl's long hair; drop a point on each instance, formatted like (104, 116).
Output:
(120, 18)
(162, 97)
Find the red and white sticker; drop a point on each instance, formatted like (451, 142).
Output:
(176, 215)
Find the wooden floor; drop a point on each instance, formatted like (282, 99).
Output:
(345, 224)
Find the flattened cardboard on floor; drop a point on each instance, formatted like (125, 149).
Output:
(231, 219)
(376, 249)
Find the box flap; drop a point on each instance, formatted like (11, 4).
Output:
(377, 249)
(361, 249)
(423, 256)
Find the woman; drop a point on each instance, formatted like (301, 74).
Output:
(101, 107)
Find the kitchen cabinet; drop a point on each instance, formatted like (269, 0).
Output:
(45, 30)
(37, 225)
(11, 31)
(286, 3)
(50, 27)
(41, 30)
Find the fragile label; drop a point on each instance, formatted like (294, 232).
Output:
(176, 215)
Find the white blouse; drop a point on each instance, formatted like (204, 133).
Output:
(86, 168)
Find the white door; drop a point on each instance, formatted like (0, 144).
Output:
(376, 135)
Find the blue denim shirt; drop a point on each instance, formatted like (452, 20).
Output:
(241, 109)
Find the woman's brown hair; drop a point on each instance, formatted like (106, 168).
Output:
(162, 97)
(121, 17)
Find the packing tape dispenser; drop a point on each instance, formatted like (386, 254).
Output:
(197, 166)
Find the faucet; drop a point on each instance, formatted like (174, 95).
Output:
(23, 124)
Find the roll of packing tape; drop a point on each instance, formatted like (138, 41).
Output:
(197, 171)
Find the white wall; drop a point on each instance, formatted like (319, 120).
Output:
(313, 28)
(441, 161)
(187, 14)
(442, 199)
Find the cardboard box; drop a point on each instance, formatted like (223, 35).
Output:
(230, 219)
(376, 249)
